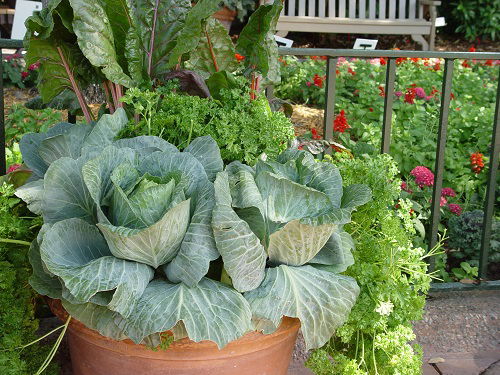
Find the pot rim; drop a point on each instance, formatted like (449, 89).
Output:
(202, 350)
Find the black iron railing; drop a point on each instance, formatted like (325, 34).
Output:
(449, 58)
(333, 55)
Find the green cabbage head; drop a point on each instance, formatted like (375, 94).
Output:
(279, 229)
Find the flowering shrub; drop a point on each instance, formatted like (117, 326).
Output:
(415, 112)
(16, 73)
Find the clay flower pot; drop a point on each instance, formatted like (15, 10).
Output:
(252, 354)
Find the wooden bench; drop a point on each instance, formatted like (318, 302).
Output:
(402, 17)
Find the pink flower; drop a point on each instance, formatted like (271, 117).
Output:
(13, 167)
(455, 208)
(448, 192)
(308, 84)
(24, 75)
(419, 91)
(442, 201)
(423, 176)
(404, 187)
(398, 93)
(34, 66)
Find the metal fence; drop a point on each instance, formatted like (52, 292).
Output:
(449, 59)
(330, 93)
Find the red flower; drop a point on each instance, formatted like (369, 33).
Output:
(465, 64)
(239, 57)
(383, 61)
(315, 134)
(472, 49)
(324, 57)
(318, 81)
(370, 109)
(477, 162)
(24, 75)
(448, 192)
(34, 66)
(13, 167)
(455, 208)
(340, 123)
(314, 57)
(351, 72)
(404, 187)
(489, 63)
(400, 60)
(437, 66)
(414, 59)
(423, 176)
(452, 96)
(337, 72)
(410, 96)
(382, 91)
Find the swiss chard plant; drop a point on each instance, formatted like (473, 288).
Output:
(123, 44)
(134, 226)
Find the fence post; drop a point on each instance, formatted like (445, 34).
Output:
(390, 77)
(331, 78)
(440, 151)
(489, 202)
(3, 161)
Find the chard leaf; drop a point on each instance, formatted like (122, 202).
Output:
(53, 77)
(215, 51)
(158, 26)
(190, 82)
(221, 80)
(336, 255)
(296, 244)
(189, 35)
(154, 245)
(256, 40)
(94, 29)
(76, 252)
(321, 300)
(207, 152)
(98, 318)
(198, 246)
(65, 193)
(243, 255)
(209, 311)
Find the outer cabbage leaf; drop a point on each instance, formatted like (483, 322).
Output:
(207, 152)
(296, 244)
(209, 311)
(243, 255)
(76, 252)
(44, 283)
(32, 194)
(321, 300)
(336, 255)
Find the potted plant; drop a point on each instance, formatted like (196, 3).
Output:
(149, 246)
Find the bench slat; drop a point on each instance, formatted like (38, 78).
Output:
(392, 9)
(402, 9)
(362, 9)
(352, 9)
(321, 8)
(331, 8)
(412, 9)
(311, 12)
(342, 8)
(302, 8)
(373, 8)
(381, 9)
(291, 8)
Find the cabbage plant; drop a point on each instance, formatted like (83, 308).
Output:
(136, 231)
(279, 229)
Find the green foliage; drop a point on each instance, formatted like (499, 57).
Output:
(465, 237)
(17, 321)
(476, 18)
(241, 6)
(391, 274)
(243, 129)
(22, 120)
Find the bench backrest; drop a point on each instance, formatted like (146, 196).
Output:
(360, 9)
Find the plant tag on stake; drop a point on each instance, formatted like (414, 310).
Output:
(283, 42)
(365, 43)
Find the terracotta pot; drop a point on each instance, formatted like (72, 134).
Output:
(252, 354)
(226, 16)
